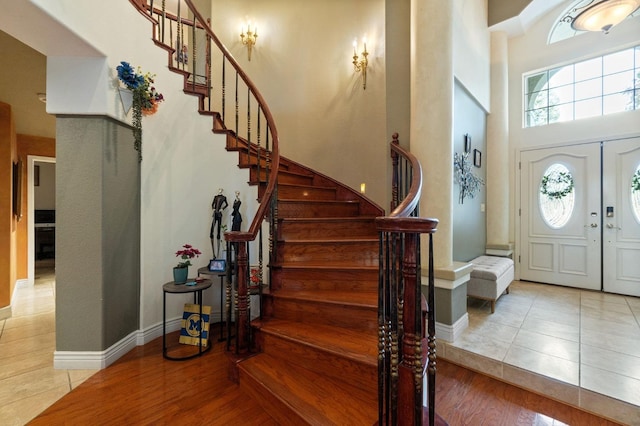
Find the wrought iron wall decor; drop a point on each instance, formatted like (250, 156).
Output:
(469, 183)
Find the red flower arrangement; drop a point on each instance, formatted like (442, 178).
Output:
(188, 253)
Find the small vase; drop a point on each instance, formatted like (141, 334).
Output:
(180, 275)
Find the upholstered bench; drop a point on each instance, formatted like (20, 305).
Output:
(491, 276)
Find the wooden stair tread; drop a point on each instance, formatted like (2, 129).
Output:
(351, 344)
(296, 185)
(315, 220)
(316, 399)
(329, 240)
(296, 200)
(329, 264)
(351, 298)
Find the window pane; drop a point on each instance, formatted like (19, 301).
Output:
(633, 99)
(619, 82)
(561, 113)
(615, 103)
(537, 117)
(635, 193)
(557, 196)
(588, 89)
(603, 85)
(589, 69)
(619, 61)
(588, 108)
(536, 82)
(537, 99)
(561, 95)
(561, 76)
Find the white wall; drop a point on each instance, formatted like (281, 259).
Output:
(183, 163)
(302, 64)
(471, 44)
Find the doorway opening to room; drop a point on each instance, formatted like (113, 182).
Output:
(42, 217)
(580, 216)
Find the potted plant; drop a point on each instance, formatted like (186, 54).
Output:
(145, 98)
(181, 271)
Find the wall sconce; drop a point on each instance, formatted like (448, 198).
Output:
(360, 65)
(249, 38)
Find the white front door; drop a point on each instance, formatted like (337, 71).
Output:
(621, 211)
(560, 216)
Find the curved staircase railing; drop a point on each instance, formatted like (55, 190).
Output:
(403, 358)
(239, 110)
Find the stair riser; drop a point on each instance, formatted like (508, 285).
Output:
(294, 179)
(327, 229)
(328, 364)
(363, 319)
(321, 279)
(283, 177)
(325, 285)
(359, 253)
(319, 209)
(305, 193)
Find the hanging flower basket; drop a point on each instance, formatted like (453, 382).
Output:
(145, 98)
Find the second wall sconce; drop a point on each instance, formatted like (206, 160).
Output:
(249, 38)
(360, 65)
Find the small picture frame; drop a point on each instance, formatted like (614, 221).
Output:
(477, 158)
(217, 265)
(467, 142)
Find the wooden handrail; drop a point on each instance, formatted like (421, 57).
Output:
(410, 202)
(201, 23)
(252, 233)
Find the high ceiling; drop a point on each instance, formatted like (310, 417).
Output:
(20, 89)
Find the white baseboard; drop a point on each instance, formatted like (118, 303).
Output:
(5, 312)
(97, 360)
(449, 333)
(22, 283)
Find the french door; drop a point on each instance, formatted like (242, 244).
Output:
(560, 230)
(580, 216)
(621, 217)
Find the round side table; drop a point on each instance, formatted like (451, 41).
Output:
(173, 288)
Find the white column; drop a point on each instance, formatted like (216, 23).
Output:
(432, 117)
(498, 148)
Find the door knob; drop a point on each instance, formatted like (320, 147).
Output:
(594, 225)
(612, 226)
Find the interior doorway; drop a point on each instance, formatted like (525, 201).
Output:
(580, 216)
(41, 194)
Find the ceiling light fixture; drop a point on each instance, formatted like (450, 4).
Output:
(604, 15)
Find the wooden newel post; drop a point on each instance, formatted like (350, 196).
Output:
(410, 369)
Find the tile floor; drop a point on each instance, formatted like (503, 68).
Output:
(28, 382)
(578, 346)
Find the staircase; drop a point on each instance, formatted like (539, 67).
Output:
(318, 354)
(317, 339)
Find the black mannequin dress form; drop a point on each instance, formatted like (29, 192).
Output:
(218, 205)
(236, 216)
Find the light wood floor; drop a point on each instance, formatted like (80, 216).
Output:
(144, 388)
